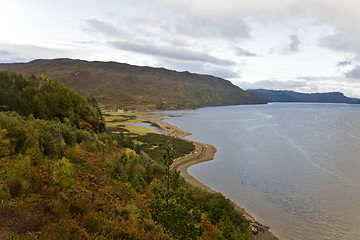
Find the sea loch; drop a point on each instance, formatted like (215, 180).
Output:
(293, 166)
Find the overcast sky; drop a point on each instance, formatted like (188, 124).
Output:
(301, 45)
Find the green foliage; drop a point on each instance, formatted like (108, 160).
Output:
(173, 207)
(153, 170)
(5, 144)
(45, 98)
(138, 183)
(99, 189)
(181, 206)
(118, 171)
(35, 154)
(40, 138)
(230, 223)
(203, 95)
(21, 168)
(63, 173)
(137, 149)
(72, 198)
(33, 133)
(176, 211)
(168, 155)
(155, 144)
(133, 169)
(168, 159)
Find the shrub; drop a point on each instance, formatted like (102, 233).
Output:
(35, 155)
(138, 183)
(5, 145)
(63, 172)
(15, 188)
(20, 168)
(154, 145)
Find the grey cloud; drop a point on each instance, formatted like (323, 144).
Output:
(3, 52)
(347, 66)
(6, 56)
(98, 27)
(314, 78)
(307, 78)
(294, 44)
(348, 63)
(344, 63)
(354, 73)
(171, 52)
(173, 27)
(172, 34)
(199, 67)
(342, 42)
(332, 41)
(244, 52)
(175, 22)
(223, 73)
(22, 53)
(313, 84)
(173, 40)
(264, 10)
(342, 16)
(230, 28)
(275, 84)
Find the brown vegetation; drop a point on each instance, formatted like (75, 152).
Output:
(128, 86)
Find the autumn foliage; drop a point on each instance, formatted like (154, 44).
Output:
(82, 183)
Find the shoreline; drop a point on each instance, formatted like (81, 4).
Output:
(204, 152)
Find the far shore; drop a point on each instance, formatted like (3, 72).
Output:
(205, 152)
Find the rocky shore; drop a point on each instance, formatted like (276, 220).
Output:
(205, 152)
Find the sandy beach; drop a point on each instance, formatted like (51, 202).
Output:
(205, 152)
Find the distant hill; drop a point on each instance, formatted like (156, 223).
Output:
(128, 86)
(290, 96)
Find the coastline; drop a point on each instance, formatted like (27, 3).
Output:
(205, 152)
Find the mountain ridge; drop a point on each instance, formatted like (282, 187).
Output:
(138, 87)
(291, 96)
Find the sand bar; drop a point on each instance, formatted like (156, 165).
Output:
(205, 152)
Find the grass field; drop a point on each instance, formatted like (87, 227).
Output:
(117, 122)
(152, 142)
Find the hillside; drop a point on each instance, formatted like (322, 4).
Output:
(62, 177)
(290, 96)
(48, 99)
(128, 86)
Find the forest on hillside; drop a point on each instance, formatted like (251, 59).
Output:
(62, 175)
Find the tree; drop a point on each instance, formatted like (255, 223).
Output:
(49, 100)
(173, 206)
(177, 212)
(167, 160)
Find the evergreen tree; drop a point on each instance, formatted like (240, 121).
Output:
(173, 207)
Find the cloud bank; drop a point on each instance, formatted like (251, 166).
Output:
(280, 41)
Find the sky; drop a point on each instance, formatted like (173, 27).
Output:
(300, 45)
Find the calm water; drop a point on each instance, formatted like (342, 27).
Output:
(299, 164)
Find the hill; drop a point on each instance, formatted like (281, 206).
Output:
(61, 176)
(290, 96)
(128, 86)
